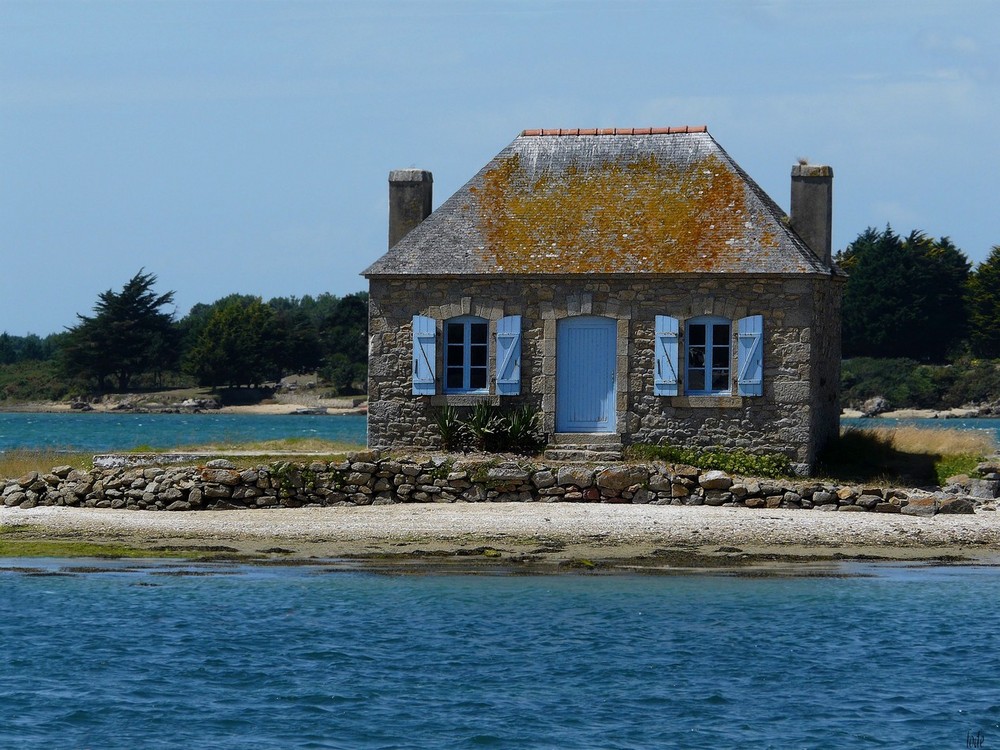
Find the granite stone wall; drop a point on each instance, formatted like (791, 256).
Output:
(796, 414)
(369, 478)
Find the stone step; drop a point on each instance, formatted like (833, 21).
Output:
(612, 439)
(581, 454)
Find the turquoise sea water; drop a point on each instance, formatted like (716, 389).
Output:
(109, 432)
(316, 657)
(162, 655)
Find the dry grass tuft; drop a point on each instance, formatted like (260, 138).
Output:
(936, 442)
(295, 444)
(905, 455)
(18, 462)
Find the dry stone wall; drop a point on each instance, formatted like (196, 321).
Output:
(369, 478)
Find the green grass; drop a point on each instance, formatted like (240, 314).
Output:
(11, 546)
(30, 541)
(949, 466)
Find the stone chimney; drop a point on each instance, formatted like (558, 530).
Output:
(409, 201)
(812, 207)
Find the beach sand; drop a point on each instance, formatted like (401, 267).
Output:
(543, 537)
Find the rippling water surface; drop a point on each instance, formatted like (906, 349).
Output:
(110, 432)
(313, 658)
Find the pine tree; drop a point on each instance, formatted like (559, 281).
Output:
(984, 304)
(128, 335)
(904, 297)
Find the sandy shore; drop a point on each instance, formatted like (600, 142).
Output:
(281, 409)
(538, 536)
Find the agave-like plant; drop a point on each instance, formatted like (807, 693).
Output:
(454, 433)
(485, 424)
(522, 429)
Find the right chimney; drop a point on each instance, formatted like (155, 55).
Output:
(409, 201)
(812, 207)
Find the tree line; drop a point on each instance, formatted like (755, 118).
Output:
(132, 339)
(918, 298)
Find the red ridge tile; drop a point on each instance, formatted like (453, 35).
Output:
(616, 131)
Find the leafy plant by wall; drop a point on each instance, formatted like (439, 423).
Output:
(736, 461)
(491, 429)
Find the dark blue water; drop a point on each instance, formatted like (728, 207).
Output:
(109, 432)
(309, 658)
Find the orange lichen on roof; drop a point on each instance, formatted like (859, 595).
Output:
(618, 216)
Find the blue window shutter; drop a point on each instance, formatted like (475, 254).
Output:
(750, 355)
(509, 356)
(424, 346)
(666, 356)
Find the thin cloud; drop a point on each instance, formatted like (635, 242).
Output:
(954, 44)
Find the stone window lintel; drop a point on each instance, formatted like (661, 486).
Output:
(463, 399)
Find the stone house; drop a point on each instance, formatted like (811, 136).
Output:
(634, 285)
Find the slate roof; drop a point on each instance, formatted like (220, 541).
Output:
(635, 201)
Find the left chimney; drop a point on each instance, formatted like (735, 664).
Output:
(409, 201)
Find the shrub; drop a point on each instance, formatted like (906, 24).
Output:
(737, 461)
(454, 434)
(907, 384)
(490, 428)
(522, 430)
(32, 380)
(903, 382)
(485, 425)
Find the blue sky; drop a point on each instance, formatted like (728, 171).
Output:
(245, 146)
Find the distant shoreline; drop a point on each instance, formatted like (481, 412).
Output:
(943, 414)
(52, 407)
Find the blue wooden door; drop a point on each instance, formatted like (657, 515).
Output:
(585, 374)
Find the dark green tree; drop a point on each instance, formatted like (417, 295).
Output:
(8, 349)
(904, 297)
(984, 307)
(943, 273)
(192, 324)
(128, 335)
(345, 330)
(15, 349)
(235, 345)
(345, 341)
(297, 344)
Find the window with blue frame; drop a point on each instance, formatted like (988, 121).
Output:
(708, 356)
(466, 355)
